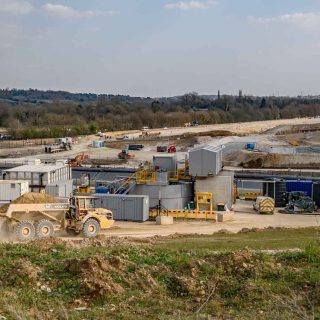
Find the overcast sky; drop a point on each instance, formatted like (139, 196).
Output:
(161, 47)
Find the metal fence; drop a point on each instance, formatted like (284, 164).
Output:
(5, 144)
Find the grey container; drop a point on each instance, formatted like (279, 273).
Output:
(166, 162)
(125, 207)
(60, 189)
(205, 161)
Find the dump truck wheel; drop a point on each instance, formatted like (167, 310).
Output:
(44, 229)
(91, 228)
(25, 231)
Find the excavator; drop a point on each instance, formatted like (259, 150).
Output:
(78, 160)
(125, 155)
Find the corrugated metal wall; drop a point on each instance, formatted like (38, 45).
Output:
(124, 207)
(205, 161)
(11, 190)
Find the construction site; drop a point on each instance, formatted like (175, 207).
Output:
(198, 222)
(194, 179)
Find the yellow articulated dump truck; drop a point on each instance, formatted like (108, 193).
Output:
(40, 220)
(264, 205)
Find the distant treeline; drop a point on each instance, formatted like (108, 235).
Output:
(66, 115)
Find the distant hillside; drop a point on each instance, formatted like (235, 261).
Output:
(38, 96)
(43, 114)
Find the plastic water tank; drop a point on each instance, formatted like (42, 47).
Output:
(250, 146)
(103, 190)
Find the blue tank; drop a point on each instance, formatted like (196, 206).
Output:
(250, 146)
(103, 190)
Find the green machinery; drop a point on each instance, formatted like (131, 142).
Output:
(299, 203)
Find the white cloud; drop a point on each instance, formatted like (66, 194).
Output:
(310, 20)
(10, 34)
(189, 5)
(15, 7)
(69, 12)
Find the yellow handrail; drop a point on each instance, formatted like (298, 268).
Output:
(126, 182)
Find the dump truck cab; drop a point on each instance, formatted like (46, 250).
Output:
(83, 216)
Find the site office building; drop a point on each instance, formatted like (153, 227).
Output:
(39, 175)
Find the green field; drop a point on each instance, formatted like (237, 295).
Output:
(223, 276)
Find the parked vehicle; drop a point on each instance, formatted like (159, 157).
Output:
(125, 155)
(136, 147)
(264, 205)
(54, 148)
(172, 149)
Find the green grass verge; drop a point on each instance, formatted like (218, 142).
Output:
(274, 239)
(223, 276)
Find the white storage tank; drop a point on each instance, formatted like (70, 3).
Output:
(97, 144)
(173, 197)
(12, 189)
(205, 161)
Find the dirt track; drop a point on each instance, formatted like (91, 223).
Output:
(245, 217)
(250, 128)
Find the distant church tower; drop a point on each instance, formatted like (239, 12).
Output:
(218, 94)
(240, 94)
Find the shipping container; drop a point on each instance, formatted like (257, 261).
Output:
(205, 161)
(11, 190)
(60, 189)
(300, 185)
(125, 207)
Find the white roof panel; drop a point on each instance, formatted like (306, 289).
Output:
(207, 147)
(37, 168)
